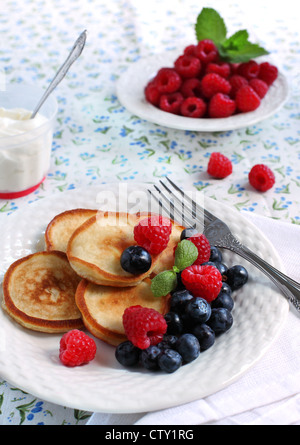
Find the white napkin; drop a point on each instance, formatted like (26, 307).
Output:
(269, 394)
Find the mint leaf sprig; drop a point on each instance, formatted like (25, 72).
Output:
(235, 49)
(165, 282)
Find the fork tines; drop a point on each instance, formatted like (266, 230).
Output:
(182, 206)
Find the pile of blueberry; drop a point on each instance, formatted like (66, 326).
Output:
(193, 323)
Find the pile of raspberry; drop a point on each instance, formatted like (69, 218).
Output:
(202, 85)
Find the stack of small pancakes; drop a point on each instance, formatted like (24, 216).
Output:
(78, 281)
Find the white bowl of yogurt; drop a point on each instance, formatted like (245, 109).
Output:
(25, 144)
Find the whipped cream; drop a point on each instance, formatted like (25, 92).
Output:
(25, 148)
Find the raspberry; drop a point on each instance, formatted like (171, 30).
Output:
(259, 86)
(193, 107)
(203, 246)
(187, 66)
(234, 67)
(151, 93)
(261, 177)
(249, 70)
(171, 102)
(207, 51)
(190, 50)
(223, 69)
(191, 88)
(153, 233)
(247, 99)
(167, 80)
(268, 73)
(219, 166)
(202, 281)
(236, 81)
(144, 326)
(221, 105)
(213, 83)
(76, 348)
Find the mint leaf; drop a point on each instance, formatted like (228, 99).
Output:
(244, 54)
(185, 255)
(236, 41)
(210, 25)
(164, 283)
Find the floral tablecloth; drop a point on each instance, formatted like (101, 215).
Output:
(97, 140)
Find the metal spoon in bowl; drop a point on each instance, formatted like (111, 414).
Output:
(74, 54)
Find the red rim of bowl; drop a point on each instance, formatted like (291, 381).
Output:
(14, 195)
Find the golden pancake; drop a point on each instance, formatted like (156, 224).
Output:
(39, 293)
(102, 307)
(95, 249)
(62, 226)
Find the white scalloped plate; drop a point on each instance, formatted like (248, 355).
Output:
(29, 360)
(130, 92)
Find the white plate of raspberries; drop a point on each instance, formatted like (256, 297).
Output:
(188, 90)
(30, 360)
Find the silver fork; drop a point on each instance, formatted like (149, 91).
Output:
(219, 235)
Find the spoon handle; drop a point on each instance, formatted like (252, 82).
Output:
(74, 54)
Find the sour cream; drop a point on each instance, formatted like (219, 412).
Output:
(25, 148)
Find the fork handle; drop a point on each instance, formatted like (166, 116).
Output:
(289, 287)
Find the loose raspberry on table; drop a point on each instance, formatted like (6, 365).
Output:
(261, 177)
(219, 166)
(220, 106)
(202, 281)
(259, 86)
(207, 51)
(143, 326)
(191, 88)
(223, 69)
(76, 348)
(153, 233)
(167, 80)
(249, 70)
(236, 81)
(247, 99)
(213, 83)
(187, 66)
(268, 73)
(171, 102)
(203, 246)
(194, 107)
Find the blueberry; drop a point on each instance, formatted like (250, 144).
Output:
(209, 263)
(188, 347)
(136, 260)
(205, 335)
(188, 232)
(168, 342)
(237, 276)
(222, 268)
(220, 321)
(215, 255)
(174, 323)
(188, 323)
(169, 360)
(198, 309)
(179, 300)
(149, 357)
(224, 298)
(127, 354)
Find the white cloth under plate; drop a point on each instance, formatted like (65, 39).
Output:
(269, 393)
